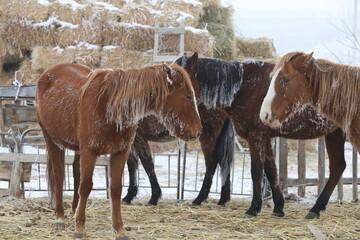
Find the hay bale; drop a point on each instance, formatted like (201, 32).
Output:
(116, 3)
(21, 34)
(66, 12)
(258, 48)
(117, 57)
(141, 14)
(25, 74)
(86, 54)
(201, 41)
(129, 36)
(176, 11)
(219, 23)
(45, 57)
(30, 10)
(87, 31)
(83, 53)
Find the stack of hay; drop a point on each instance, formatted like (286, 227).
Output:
(259, 48)
(36, 34)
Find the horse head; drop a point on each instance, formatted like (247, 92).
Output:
(190, 64)
(180, 111)
(289, 89)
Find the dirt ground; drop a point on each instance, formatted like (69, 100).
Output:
(172, 219)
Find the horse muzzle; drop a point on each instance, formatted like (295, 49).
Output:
(270, 119)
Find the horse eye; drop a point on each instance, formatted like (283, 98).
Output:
(284, 80)
(189, 96)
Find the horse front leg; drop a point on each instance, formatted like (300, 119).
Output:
(335, 148)
(272, 176)
(117, 163)
(87, 164)
(257, 152)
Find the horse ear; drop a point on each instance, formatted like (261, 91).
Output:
(169, 73)
(308, 58)
(192, 61)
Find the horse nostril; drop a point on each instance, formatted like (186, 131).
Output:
(266, 116)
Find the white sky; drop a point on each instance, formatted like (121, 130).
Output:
(306, 25)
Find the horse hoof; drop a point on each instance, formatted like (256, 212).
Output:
(79, 235)
(192, 204)
(249, 216)
(312, 215)
(59, 225)
(278, 214)
(126, 202)
(122, 238)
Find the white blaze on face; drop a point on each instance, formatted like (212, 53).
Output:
(265, 111)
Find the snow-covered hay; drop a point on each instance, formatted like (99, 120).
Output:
(129, 36)
(199, 41)
(22, 34)
(171, 219)
(83, 53)
(117, 57)
(29, 10)
(258, 48)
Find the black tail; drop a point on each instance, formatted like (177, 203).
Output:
(225, 149)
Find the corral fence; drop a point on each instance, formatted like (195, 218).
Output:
(180, 172)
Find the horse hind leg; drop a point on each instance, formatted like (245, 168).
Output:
(133, 164)
(87, 165)
(56, 172)
(335, 148)
(271, 175)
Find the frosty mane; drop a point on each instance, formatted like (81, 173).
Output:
(219, 81)
(130, 93)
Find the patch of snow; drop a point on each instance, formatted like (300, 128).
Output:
(109, 47)
(192, 2)
(73, 4)
(58, 49)
(195, 30)
(87, 45)
(130, 25)
(44, 2)
(54, 20)
(107, 6)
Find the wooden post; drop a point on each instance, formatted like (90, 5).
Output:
(184, 169)
(321, 164)
(17, 168)
(340, 189)
(301, 168)
(354, 176)
(282, 154)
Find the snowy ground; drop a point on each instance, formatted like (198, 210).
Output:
(166, 167)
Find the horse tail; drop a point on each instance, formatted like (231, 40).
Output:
(225, 149)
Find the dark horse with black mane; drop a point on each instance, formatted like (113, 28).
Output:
(239, 88)
(217, 142)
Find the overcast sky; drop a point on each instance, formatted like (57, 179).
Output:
(306, 25)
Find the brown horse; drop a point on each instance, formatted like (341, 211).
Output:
(239, 88)
(97, 113)
(333, 89)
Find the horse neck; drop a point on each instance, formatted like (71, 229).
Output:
(335, 91)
